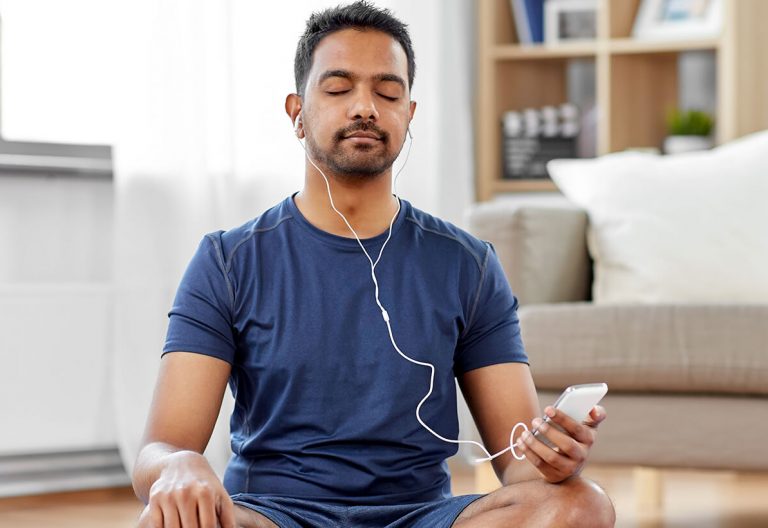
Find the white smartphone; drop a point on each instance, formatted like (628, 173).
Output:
(576, 401)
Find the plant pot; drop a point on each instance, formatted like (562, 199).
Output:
(680, 144)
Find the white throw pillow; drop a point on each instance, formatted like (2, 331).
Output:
(689, 228)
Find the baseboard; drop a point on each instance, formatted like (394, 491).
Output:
(39, 473)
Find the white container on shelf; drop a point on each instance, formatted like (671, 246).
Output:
(680, 144)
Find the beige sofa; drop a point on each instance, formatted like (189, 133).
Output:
(688, 383)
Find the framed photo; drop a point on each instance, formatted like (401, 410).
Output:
(569, 20)
(678, 19)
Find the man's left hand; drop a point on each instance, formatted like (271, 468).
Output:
(571, 446)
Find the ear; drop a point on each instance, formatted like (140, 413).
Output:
(293, 109)
(411, 111)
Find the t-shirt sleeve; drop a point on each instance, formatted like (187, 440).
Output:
(201, 319)
(492, 334)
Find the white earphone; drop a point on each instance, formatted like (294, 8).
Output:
(385, 314)
(296, 123)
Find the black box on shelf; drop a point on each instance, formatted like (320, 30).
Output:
(526, 157)
(534, 136)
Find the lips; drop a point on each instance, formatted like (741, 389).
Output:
(361, 134)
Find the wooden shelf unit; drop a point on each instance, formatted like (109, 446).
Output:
(636, 81)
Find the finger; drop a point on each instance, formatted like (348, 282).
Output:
(206, 512)
(188, 513)
(556, 461)
(553, 430)
(580, 432)
(562, 443)
(549, 473)
(151, 517)
(170, 515)
(188, 516)
(529, 455)
(226, 510)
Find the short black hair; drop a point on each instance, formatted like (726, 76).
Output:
(360, 15)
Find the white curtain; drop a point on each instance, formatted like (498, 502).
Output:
(205, 144)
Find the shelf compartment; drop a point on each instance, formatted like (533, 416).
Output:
(520, 85)
(644, 87)
(523, 84)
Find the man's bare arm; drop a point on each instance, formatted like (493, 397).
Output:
(171, 475)
(500, 396)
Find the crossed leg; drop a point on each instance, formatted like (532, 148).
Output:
(575, 503)
(247, 518)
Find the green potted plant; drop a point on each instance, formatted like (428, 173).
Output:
(688, 130)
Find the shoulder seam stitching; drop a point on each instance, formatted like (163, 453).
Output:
(219, 256)
(465, 246)
(471, 318)
(244, 240)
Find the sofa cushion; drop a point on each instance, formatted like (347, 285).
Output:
(689, 228)
(540, 241)
(655, 348)
(681, 430)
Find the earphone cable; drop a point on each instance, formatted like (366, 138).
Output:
(385, 316)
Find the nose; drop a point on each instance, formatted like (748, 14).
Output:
(363, 108)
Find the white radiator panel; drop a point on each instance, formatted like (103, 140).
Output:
(55, 387)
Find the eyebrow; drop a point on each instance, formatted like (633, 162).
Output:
(379, 77)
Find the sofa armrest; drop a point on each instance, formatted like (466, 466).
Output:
(541, 242)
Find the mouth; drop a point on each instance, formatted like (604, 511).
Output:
(363, 137)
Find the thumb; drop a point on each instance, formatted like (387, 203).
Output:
(596, 416)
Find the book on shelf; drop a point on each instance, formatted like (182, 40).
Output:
(529, 20)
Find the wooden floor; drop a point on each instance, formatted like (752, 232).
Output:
(694, 499)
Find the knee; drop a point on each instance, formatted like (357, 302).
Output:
(583, 504)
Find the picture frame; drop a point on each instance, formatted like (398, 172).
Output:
(678, 19)
(570, 21)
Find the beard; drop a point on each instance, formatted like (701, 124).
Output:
(355, 162)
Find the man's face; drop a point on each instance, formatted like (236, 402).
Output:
(356, 106)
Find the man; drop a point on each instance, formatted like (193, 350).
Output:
(329, 353)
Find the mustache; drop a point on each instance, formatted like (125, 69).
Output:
(362, 126)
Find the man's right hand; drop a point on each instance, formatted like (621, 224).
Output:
(188, 494)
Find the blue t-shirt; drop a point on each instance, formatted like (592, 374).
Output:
(325, 406)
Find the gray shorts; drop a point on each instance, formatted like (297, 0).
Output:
(289, 512)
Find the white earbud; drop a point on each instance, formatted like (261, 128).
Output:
(297, 122)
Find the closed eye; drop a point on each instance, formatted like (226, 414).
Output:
(337, 93)
(388, 98)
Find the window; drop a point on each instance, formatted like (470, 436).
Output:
(56, 69)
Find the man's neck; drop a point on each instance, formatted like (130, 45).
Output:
(368, 207)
